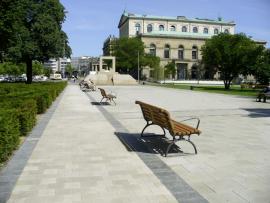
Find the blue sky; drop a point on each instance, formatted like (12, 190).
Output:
(89, 22)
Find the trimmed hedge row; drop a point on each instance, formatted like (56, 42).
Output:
(19, 105)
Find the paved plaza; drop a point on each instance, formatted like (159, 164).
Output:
(81, 151)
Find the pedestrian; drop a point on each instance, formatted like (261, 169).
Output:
(112, 81)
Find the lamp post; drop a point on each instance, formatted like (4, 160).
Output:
(139, 67)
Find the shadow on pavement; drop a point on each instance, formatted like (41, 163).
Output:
(151, 143)
(257, 113)
(100, 103)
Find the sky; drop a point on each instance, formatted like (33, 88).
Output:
(89, 22)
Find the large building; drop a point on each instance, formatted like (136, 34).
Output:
(178, 39)
(57, 65)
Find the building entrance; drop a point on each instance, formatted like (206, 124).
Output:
(181, 71)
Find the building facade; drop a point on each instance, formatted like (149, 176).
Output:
(174, 39)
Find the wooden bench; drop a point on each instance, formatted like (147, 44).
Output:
(157, 116)
(106, 96)
(87, 85)
(263, 95)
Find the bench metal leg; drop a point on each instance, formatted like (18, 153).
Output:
(194, 146)
(149, 124)
(180, 139)
(169, 147)
(101, 100)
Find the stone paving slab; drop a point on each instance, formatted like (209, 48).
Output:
(233, 163)
(81, 158)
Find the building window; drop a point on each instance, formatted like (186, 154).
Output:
(205, 30)
(138, 28)
(184, 29)
(161, 27)
(173, 29)
(149, 28)
(195, 29)
(226, 31)
(167, 51)
(181, 52)
(216, 31)
(194, 52)
(152, 50)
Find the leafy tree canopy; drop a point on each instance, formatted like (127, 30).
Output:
(261, 70)
(32, 30)
(126, 52)
(170, 69)
(230, 54)
(69, 69)
(12, 69)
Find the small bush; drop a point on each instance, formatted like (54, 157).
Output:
(9, 133)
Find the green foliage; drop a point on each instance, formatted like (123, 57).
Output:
(31, 30)
(47, 72)
(9, 132)
(261, 70)
(230, 54)
(69, 69)
(126, 52)
(26, 112)
(12, 69)
(38, 68)
(170, 70)
(154, 63)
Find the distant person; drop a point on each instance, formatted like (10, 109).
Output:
(112, 81)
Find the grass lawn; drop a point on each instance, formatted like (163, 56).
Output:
(235, 89)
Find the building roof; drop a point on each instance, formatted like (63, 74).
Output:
(127, 15)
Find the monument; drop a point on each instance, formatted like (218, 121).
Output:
(103, 74)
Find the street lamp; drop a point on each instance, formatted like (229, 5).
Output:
(139, 67)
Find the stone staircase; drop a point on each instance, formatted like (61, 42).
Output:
(111, 78)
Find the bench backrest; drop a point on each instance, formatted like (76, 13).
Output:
(103, 93)
(156, 115)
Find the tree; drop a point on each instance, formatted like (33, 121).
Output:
(38, 68)
(69, 69)
(31, 30)
(126, 52)
(230, 54)
(170, 70)
(261, 70)
(154, 63)
(12, 69)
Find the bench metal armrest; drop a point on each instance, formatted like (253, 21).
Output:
(198, 121)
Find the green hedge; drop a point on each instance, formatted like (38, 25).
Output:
(19, 105)
(9, 133)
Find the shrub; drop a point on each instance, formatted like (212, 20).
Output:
(9, 133)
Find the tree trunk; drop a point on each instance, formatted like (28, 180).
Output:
(227, 84)
(29, 71)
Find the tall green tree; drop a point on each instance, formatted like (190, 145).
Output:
(170, 70)
(261, 70)
(126, 52)
(38, 68)
(230, 54)
(129, 52)
(69, 70)
(154, 64)
(32, 30)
